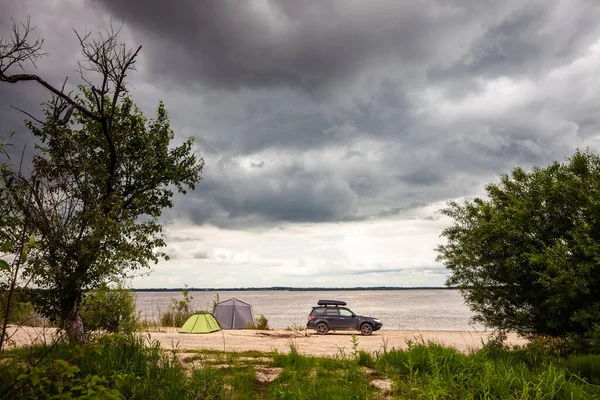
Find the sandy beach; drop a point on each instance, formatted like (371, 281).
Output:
(307, 342)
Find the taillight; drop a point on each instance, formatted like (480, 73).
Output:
(310, 317)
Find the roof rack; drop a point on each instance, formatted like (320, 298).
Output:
(331, 303)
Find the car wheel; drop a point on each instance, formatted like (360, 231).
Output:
(366, 329)
(322, 328)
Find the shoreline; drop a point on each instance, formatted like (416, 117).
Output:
(306, 342)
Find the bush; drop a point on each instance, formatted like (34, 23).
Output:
(111, 310)
(112, 367)
(525, 258)
(180, 311)
(262, 324)
(21, 313)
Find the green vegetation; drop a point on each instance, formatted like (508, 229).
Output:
(134, 367)
(179, 312)
(86, 215)
(20, 313)
(216, 300)
(110, 310)
(526, 259)
(101, 178)
(261, 323)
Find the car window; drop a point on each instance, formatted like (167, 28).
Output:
(345, 313)
(318, 311)
(332, 312)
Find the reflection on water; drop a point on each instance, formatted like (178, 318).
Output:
(397, 309)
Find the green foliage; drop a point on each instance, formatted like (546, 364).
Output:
(101, 179)
(114, 366)
(527, 258)
(427, 370)
(61, 380)
(134, 367)
(179, 312)
(262, 323)
(110, 309)
(104, 237)
(15, 245)
(20, 313)
(295, 327)
(585, 366)
(216, 300)
(307, 377)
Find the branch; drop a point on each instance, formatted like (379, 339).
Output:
(18, 49)
(31, 77)
(29, 115)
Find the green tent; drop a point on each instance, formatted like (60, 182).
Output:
(200, 322)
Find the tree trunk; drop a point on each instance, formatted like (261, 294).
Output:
(74, 326)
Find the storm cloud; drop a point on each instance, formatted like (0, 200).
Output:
(339, 115)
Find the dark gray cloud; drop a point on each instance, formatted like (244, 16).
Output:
(233, 44)
(343, 110)
(225, 43)
(243, 199)
(530, 40)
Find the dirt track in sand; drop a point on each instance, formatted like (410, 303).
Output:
(307, 342)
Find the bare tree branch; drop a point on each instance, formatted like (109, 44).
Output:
(18, 48)
(30, 77)
(29, 115)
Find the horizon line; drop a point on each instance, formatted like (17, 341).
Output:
(295, 288)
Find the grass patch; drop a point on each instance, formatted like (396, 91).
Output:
(585, 366)
(134, 367)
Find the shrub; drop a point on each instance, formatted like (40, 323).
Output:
(180, 310)
(295, 327)
(111, 310)
(525, 258)
(112, 367)
(21, 313)
(262, 324)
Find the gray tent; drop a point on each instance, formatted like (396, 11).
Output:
(234, 314)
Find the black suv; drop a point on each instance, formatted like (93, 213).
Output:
(329, 315)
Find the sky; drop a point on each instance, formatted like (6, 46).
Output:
(334, 131)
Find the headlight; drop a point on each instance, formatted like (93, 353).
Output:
(376, 320)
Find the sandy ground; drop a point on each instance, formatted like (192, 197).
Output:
(307, 342)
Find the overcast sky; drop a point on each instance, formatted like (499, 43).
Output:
(334, 131)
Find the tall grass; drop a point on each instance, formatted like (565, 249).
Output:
(306, 377)
(135, 367)
(428, 370)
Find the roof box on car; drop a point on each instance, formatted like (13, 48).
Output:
(331, 303)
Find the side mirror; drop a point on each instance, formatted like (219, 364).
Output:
(353, 315)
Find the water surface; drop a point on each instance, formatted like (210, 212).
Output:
(397, 309)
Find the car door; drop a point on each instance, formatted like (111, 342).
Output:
(347, 319)
(332, 316)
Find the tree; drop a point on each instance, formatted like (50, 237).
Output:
(527, 258)
(102, 177)
(14, 247)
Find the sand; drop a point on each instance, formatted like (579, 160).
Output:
(307, 342)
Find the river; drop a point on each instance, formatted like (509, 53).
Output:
(426, 309)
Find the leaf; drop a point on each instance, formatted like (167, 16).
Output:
(4, 266)
(32, 243)
(24, 255)
(5, 247)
